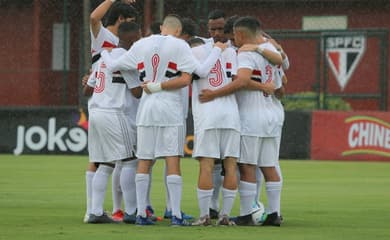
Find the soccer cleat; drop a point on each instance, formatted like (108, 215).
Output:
(104, 218)
(245, 220)
(143, 221)
(225, 221)
(213, 214)
(86, 218)
(150, 213)
(168, 215)
(202, 221)
(129, 218)
(272, 219)
(179, 222)
(117, 216)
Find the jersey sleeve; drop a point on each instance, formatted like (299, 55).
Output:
(286, 63)
(131, 78)
(92, 79)
(187, 62)
(125, 62)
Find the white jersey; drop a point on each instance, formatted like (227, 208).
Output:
(111, 90)
(221, 112)
(158, 59)
(104, 39)
(258, 114)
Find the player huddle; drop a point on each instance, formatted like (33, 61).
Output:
(138, 109)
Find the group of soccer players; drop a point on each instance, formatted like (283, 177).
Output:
(139, 90)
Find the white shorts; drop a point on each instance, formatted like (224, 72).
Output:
(110, 136)
(156, 142)
(217, 143)
(263, 152)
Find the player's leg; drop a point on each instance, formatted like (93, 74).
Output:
(230, 151)
(217, 183)
(99, 188)
(117, 213)
(205, 190)
(229, 190)
(89, 174)
(149, 208)
(259, 182)
(129, 169)
(269, 158)
(142, 181)
(146, 153)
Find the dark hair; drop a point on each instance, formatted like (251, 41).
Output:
(229, 23)
(215, 14)
(249, 22)
(120, 9)
(126, 27)
(189, 27)
(195, 40)
(155, 27)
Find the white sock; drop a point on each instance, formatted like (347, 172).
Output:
(175, 183)
(204, 199)
(116, 188)
(167, 197)
(99, 188)
(128, 186)
(228, 197)
(141, 183)
(247, 196)
(148, 203)
(259, 181)
(217, 183)
(88, 183)
(273, 195)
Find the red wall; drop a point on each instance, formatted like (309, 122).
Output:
(19, 60)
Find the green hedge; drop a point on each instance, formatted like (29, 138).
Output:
(310, 101)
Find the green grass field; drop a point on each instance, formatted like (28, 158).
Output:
(43, 197)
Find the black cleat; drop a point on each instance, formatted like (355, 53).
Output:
(104, 218)
(245, 220)
(272, 219)
(129, 218)
(214, 214)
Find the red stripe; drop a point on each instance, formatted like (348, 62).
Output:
(140, 66)
(108, 45)
(256, 72)
(172, 66)
(228, 65)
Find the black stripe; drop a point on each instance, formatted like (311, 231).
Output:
(195, 77)
(169, 74)
(96, 58)
(229, 74)
(118, 80)
(257, 79)
(142, 76)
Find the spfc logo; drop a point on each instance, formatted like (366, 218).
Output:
(343, 54)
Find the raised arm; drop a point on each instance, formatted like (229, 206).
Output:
(97, 15)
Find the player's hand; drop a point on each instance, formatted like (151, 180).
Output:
(84, 80)
(206, 95)
(269, 88)
(144, 86)
(280, 92)
(221, 45)
(248, 47)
